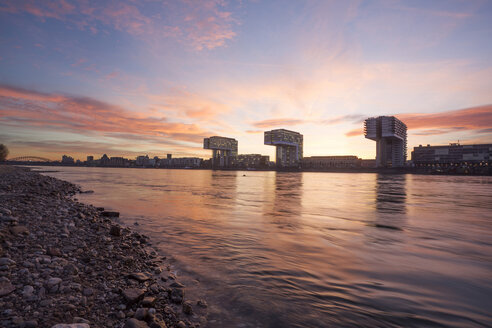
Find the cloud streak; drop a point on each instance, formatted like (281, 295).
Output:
(22, 107)
(475, 118)
(202, 24)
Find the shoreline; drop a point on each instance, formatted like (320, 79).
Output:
(396, 171)
(68, 264)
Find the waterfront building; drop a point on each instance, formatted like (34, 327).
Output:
(330, 162)
(142, 161)
(224, 150)
(104, 160)
(118, 162)
(288, 146)
(67, 160)
(90, 159)
(452, 154)
(251, 161)
(390, 135)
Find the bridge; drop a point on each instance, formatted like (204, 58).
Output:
(29, 159)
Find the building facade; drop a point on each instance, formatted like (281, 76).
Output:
(330, 162)
(452, 154)
(224, 150)
(247, 161)
(288, 144)
(390, 135)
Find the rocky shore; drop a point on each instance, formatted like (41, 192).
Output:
(67, 264)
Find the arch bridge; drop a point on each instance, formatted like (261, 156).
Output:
(29, 159)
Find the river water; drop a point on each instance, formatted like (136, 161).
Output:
(269, 249)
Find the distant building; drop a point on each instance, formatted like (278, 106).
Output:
(330, 162)
(142, 161)
(368, 163)
(90, 159)
(452, 154)
(288, 146)
(104, 160)
(224, 150)
(119, 162)
(67, 160)
(256, 161)
(390, 135)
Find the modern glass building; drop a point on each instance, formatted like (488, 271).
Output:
(288, 147)
(224, 150)
(390, 135)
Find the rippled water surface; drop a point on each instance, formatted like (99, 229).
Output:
(270, 249)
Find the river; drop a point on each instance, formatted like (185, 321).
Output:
(269, 249)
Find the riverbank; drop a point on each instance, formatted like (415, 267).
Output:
(64, 262)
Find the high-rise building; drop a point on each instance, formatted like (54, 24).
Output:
(288, 147)
(390, 135)
(224, 150)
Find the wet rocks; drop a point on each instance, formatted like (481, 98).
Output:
(134, 323)
(110, 214)
(64, 264)
(115, 231)
(132, 295)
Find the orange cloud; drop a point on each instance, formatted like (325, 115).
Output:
(278, 122)
(474, 118)
(21, 107)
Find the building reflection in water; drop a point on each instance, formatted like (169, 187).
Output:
(286, 206)
(391, 201)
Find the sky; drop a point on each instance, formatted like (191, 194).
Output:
(136, 77)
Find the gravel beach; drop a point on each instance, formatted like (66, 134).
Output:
(68, 264)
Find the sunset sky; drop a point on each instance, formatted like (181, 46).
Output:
(153, 77)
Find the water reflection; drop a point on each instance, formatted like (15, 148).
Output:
(391, 193)
(391, 201)
(286, 208)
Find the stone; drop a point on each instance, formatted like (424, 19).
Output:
(187, 308)
(80, 320)
(30, 324)
(177, 295)
(201, 303)
(148, 301)
(115, 231)
(28, 291)
(181, 324)
(19, 230)
(140, 276)
(157, 324)
(141, 314)
(134, 323)
(53, 251)
(53, 281)
(110, 214)
(71, 325)
(6, 288)
(133, 295)
(6, 261)
(88, 292)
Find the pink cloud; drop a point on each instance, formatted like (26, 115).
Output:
(22, 107)
(203, 24)
(474, 118)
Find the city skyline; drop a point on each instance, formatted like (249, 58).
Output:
(131, 78)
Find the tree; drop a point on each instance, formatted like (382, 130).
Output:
(4, 152)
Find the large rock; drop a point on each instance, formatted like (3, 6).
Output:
(133, 295)
(6, 288)
(134, 323)
(140, 276)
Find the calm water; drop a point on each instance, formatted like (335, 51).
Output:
(314, 249)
